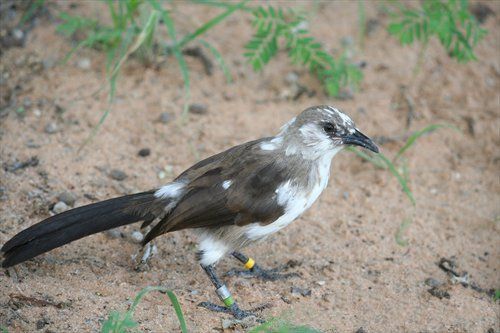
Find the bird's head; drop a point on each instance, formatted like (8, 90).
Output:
(322, 130)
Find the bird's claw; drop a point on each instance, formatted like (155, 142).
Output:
(264, 274)
(234, 310)
(146, 253)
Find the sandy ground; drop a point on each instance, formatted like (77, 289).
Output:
(345, 246)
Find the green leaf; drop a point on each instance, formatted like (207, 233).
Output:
(211, 23)
(496, 296)
(411, 140)
(219, 59)
(400, 178)
(399, 233)
(177, 52)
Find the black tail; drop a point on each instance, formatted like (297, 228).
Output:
(75, 224)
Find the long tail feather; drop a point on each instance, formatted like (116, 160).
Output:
(74, 224)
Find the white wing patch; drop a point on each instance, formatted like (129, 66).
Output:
(172, 190)
(226, 184)
(272, 144)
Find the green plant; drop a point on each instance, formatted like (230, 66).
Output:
(31, 11)
(132, 32)
(282, 326)
(274, 25)
(496, 296)
(399, 169)
(449, 20)
(118, 322)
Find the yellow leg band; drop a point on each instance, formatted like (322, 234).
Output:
(250, 263)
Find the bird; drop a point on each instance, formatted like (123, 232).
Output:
(230, 200)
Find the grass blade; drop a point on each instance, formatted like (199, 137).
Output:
(177, 53)
(399, 233)
(220, 4)
(411, 140)
(118, 323)
(210, 24)
(143, 35)
(282, 326)
(400, 178)
(34, 6)
(375, 160)
(220, 60)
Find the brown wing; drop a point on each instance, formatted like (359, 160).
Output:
(254, 175)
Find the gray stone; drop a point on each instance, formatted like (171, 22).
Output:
(84, 63)
(165, 117)
(296, 291)
(60, 207)
(197, 108)
(136, 237)
(67, 197)
(144, 152)
(117, 174)
(50, 128)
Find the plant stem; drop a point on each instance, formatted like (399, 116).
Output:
(420, 61)
(361, 24)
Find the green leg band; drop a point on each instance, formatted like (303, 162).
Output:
(228, 301)
(225, 296)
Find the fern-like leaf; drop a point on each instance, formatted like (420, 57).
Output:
(273, 25)
(449, 20)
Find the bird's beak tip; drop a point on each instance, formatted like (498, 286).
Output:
(359, 139)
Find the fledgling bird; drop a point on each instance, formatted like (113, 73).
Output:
(231, 199)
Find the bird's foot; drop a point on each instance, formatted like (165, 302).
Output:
(256, 271)
(235, 310)
(146, 253)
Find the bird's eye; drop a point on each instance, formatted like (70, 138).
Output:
(329, 128)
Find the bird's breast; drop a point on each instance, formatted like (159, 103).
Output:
(296, 196)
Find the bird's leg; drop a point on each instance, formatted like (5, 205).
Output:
(254, 270)
(230, 306)
(145, 254)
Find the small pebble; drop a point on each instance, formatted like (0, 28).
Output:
(296, 291)
(67, 197)
(60, 207)
(37, 112)
(345, 94)
(84, 63)
(439, 293)
(48, 63)
(144, 152)
(431, 282)
(114, 233)
(18, 34)
(32, 144)
(50, 128)
(291, 78)
(165, 117)
(59, 109)
(117, 175)
(196, 108)
(27, 102)
(3, 195)
(137, 236)
(321, 283)
(41, 323)
(194, 292)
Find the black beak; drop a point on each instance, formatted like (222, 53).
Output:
(359, 139)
